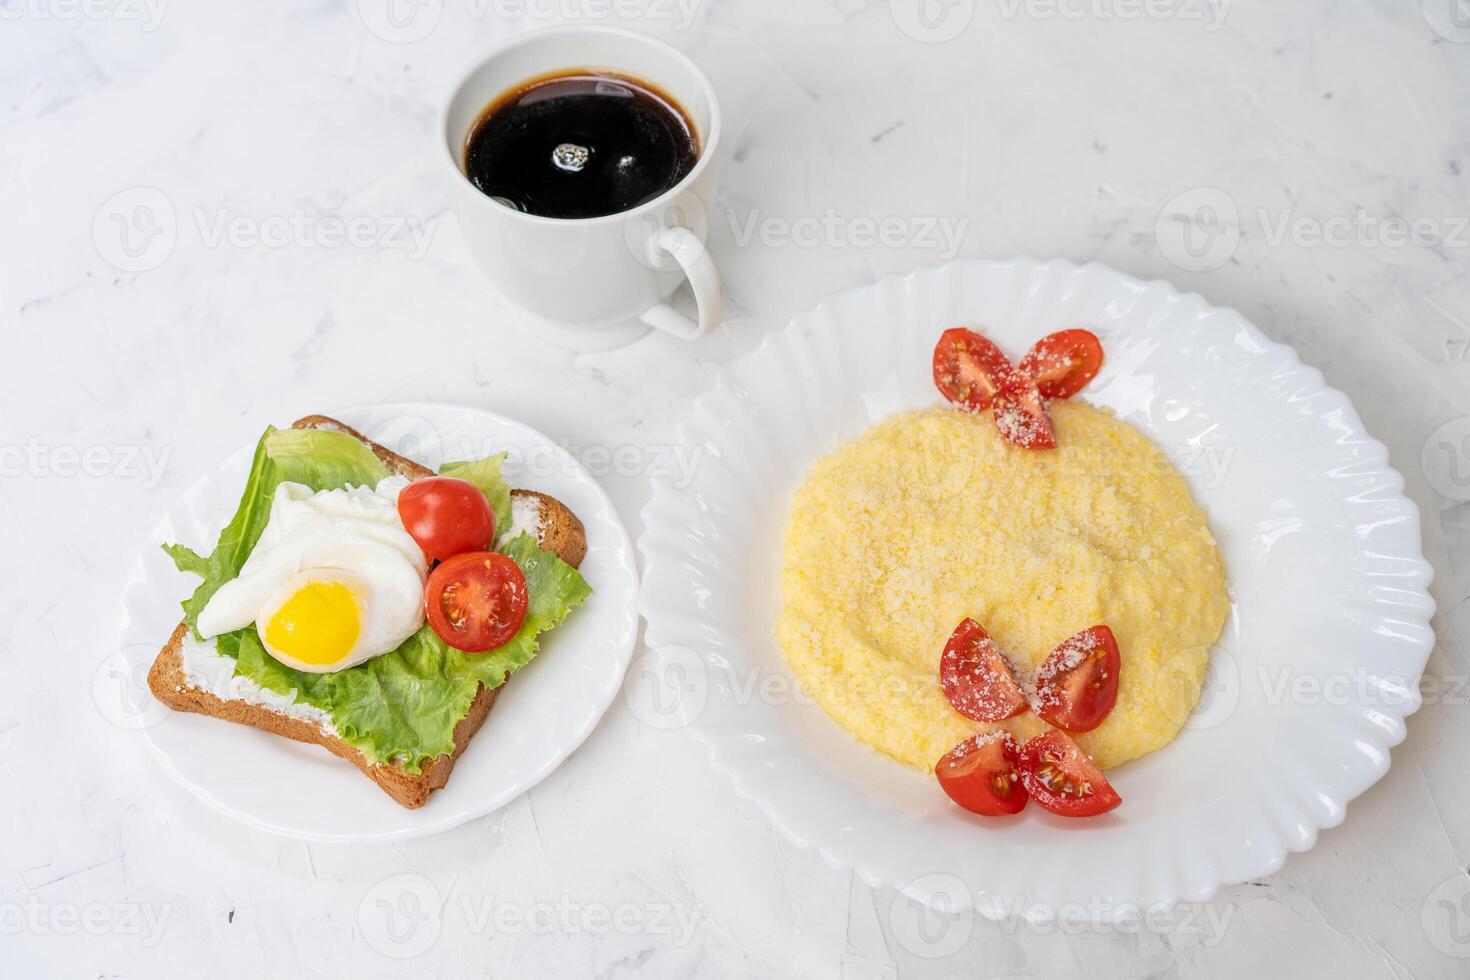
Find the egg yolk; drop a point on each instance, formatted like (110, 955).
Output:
(318, 625)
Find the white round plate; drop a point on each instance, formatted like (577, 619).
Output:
(1317, 668)
(546, 710)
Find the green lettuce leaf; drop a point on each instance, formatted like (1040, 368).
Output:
(402, 705)
(319, 458)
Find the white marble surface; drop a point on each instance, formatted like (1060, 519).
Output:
(1050, 129)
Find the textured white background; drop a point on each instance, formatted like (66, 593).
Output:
(1024, 127)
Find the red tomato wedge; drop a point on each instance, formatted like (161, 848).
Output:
(983, 775)
(1062, 779)
(476, 601)
(968, 369)
(1064, 362)
(1077, 684)
(446, 516)
(1020, 413)
(976, 677)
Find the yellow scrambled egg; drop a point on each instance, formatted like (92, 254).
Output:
(930, 517)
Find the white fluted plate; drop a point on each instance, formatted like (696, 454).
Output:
(1321, 548)
(545, 712)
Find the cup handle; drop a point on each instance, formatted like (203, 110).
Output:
(686, 249)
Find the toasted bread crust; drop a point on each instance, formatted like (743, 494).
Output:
(560, 532)
(167, 681)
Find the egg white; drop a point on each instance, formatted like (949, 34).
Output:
(353, 536)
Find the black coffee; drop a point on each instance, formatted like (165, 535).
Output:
(580, 144)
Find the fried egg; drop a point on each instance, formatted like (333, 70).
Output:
(333, 581)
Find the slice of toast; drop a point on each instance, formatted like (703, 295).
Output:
(557, 530)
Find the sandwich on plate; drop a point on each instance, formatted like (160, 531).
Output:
(361, 602)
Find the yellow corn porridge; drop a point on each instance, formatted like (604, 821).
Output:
(931, 516)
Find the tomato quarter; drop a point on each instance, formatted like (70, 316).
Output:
(982, 774)
(1062, 779)
(968, 369)
(1064, 362)
(1077, 684)
(476, 601)
(446, 516)
(1020, 413)
(976, 677)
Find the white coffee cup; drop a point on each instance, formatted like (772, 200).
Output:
(595, 282)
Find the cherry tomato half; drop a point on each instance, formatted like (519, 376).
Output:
(1064, 362)
(476, 601)
(976, 677)
(968, 369)
(1077, 684)
(446, 516)
(1062, 779)
(1020, 413)
(983, 775)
